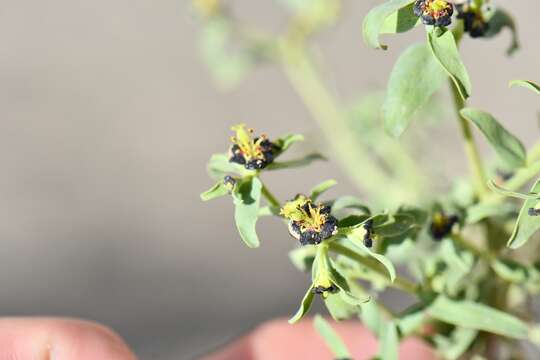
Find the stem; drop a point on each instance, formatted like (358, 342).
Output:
(399, 283)
(473, 248)
(475, 162)
(272, 200)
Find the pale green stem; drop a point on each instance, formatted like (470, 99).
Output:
(272, 200)
(475, 161)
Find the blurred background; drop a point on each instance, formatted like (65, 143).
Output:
(108, 116)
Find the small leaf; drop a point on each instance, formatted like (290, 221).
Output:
(526, 84)
(375, 19)
(303, 257)
(357, 242)
(304, 306)
(500, 190)
(482, 211)
(399, 224)
(349, 202)
(477, 316)
(389, 343)
(445, 50)
(247, 196)
(416, 76)
(372, 318)
(218, 190)
(498, 21)
(219, 166)
(510, 270)
(411, 321)
(305, 161)
(338, 308)
(526, 226)
(400, 21)
(285, 142)
(321, 188)
(506, 145)
(331, 338)
(455, 346)
(343, 285)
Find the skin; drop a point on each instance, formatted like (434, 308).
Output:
(63, 339)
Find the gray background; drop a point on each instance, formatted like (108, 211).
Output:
(107, 119)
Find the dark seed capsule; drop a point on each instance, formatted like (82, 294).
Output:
(321, 289)
(533, 212)
(368, 242)
(441, 225)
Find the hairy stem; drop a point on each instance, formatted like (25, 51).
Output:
(399, 283)
(475, 161)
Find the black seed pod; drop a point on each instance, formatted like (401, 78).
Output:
(473, 20)
(434, 12)
(254, 154)
(368, 236)
(441, 225)
(320, 290)
(533, 212)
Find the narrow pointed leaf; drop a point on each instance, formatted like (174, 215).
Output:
(477, 316)
(218, 190)
(401, 21)
(305, 161)
(375, 20)
(500, 190)
(415, 78)
(506, 145)
(338, 308)
(389, 343)
(304, 306)
(285, 142)
(526, 225)
(498, 21)
(445, 50)
(247, 196)
(526, 84)
(356, 241)
(321, 188)
(331, 338)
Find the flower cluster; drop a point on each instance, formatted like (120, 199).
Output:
(434, 12)
(473, 19)
(442, 224)
(253, 153)
(308, 222)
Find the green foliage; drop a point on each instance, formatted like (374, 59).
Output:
(445, 50)
(507, 146)
(331, 338)
(414, 79)
(467, 289)
(376, 23)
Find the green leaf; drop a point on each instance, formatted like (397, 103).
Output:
(510, 270)
(219, 166)
(411, 321)
(321, 188)
(389, 343)
(338, 308)
(445, 50)
(526, 225)
(526, 84)
(415, 78)
(356, 240)
(375, 21)
(500, 190)
(506, 145)
(341, 282)
(455, 346)
(498, 21)
(303, 257)
(482, 211)
(218, 190)
(400, 21)
(372, 318)
(285, 142)
(304, 306)
(247, 197)
(305, 161)
(331, 338)
(398, 224)
(349, 202)
(477, 316)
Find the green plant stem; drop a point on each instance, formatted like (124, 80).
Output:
(475, 161)
(305, 79)
(399, 283)
(272, 200)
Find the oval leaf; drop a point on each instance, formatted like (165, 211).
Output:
(477, 316)
(247, 198)
(401, 21)
(414, 79)
(304, 306)
(526, 225)
(445, 50)
(375, 19)
(331, 338)
(218, 190)
(526, 84)
(506, 145)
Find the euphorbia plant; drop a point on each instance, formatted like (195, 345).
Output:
(457, 250)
